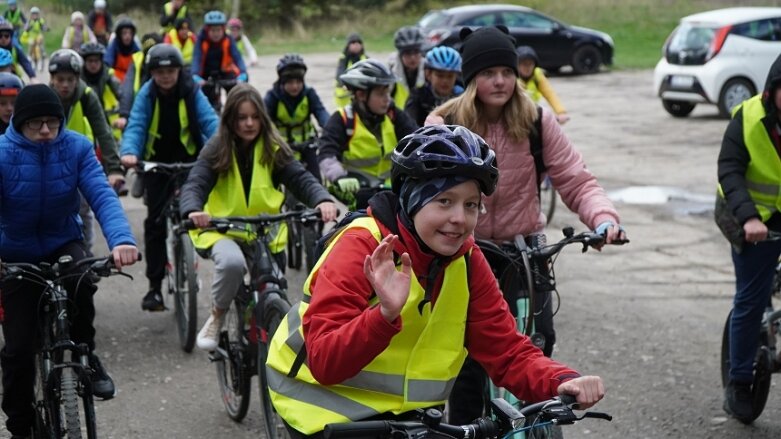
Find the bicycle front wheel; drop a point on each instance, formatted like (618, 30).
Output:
(186, 292)
(294, 245)
(274, 311)
(232, 359)
(547, 199)
(70, 404)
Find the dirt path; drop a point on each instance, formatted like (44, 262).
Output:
(647, 317)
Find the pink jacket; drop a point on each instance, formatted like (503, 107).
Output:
(514, 208)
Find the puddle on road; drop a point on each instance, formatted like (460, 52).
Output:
(680, 201)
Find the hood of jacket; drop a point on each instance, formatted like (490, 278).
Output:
(771, 84)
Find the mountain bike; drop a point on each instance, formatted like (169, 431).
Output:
(64, 405)
(768, 358)
(525, 271)
(38, 53)
(301, 237)
(258, 309)
(505, 422)
(213, 87)
(182, 266)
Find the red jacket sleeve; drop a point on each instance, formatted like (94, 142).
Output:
(493, 341)
(342, 332)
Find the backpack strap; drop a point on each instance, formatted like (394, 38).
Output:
(535, 143)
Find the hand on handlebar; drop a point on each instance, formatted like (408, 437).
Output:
(391, 286)
(348, 184)
(328, 211)
(587, 390)
(613, 233)
(124, 255)
(200, 219)
(755, 230)
(198, 80)
(129, 161)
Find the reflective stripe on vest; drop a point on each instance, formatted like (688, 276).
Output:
(186, 48)
(763, 175)
(184, 130)
(531, 85)
(226, 63)
(416, 370)
(365, 154)
(298, 127)
(227, 198)
(77, 121)
(138, 60)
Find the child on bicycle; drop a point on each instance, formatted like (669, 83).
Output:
(291, 104)
(105, 85)
(40, 223)
(170, 122)
(496, 107)
(15, 16)
(216, 56)
(536, 84)
(442, 67)
(119, 52)
(239, 172)
(398, 297)
(20, 61)
(32, 36)
(352, 53)
(236, 31)
(77, 33)
(359, 138)
(182, 38)
(136, 76)
(407, 63)
(10, 86)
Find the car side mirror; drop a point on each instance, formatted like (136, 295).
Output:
(557, 27)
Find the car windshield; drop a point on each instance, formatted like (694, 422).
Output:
(433, 19)
(692, 38)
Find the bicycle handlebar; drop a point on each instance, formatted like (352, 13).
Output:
(167, 168)
(99, 266)
(557, 410)
(224, 224)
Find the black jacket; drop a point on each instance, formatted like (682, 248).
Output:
(734, 157)
(203, 177)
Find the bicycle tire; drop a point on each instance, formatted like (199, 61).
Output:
(294, 245)
(274, 310)
(232, 373)
(311, 235)
(41, 427)
(186, 292)
(70, 402)
(548, 200)
(760, 385)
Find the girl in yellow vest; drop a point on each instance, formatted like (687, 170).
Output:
(239, 172)
(536, 84)
(182, 38)
(77, 33)
(398, 297)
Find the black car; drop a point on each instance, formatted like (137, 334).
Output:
(557, 44)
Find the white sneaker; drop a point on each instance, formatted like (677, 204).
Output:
(208, 336)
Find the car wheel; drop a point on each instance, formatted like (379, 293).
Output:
(678, 108)
(734, 92)
(586, 59)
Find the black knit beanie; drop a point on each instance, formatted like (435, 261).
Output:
(486, 47)
(36, 100)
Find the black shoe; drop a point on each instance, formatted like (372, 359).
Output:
(153, 301)
(102, 384)
(738, 402)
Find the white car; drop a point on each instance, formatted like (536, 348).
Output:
(718, 57)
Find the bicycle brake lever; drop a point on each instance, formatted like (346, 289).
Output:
(122, 273)
(596, 415)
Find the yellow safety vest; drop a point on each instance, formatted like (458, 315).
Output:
(168, 8)
(17, 67)
(227, 198)
(416, 370)
(77, 121)
(531, 85)
(138, 61)
(297, 127)
(186, 48)
(763, 175)
(365, 153)
(184, 130)
(84, 36)
(111, 107)
(400, 94)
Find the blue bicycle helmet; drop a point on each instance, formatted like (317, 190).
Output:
(10, 84)
(214, 18)
(443, 58)
(442, 150)
(6, 59)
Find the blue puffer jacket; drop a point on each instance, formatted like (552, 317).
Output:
(39, 196)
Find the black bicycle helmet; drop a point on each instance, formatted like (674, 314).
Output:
(366, 74)
(291, 65)
(10, 84)
(441, 150)
(124, 23)
(163, 55)
(527, 52)
(90, 49)
(408, 38)
(66, 60)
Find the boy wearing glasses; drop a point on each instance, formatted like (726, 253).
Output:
(39, 222)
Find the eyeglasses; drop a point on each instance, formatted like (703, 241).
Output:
(37, 124)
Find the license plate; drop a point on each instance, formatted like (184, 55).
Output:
(682, 81)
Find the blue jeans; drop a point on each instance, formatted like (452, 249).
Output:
(754, 271)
